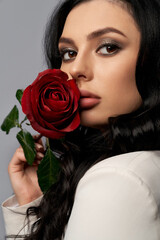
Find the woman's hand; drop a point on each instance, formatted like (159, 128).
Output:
(23, 176)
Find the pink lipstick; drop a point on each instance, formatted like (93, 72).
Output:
(88, 100)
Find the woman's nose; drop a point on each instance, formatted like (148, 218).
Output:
(81, 69)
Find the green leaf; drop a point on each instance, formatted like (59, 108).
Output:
(48, 170)
(11, 120)
(27, 142)
(19, 95)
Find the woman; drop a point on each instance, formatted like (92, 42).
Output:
(108, 187)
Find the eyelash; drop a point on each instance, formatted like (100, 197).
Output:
(63, 51)
(112, 45)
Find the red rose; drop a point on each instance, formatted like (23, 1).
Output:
(51, 104)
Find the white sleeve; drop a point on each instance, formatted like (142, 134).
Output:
(113, 204)
(15, 216)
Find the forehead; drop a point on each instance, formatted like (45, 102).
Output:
(92, 15)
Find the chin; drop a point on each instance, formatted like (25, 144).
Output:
(92, 123)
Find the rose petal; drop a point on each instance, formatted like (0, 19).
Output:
(26, 105)
(46, 132)
(74, 87)
(51, 103)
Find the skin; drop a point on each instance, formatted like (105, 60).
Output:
(107, 71)
(24, 177)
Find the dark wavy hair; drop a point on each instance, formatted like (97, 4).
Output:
(139, 130)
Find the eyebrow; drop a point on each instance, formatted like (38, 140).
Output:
(94, 34)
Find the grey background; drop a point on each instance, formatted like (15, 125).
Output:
(22, 24)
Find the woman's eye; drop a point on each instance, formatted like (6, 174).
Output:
(108, 49)
(67, 55)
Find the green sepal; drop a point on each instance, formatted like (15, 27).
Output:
(25, 119)
(11, 121)
(27, 142)
(19, 95)
(48, 170)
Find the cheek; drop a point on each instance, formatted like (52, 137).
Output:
(119, 88)
(65, 68)
(124, 94)
(124, 80)
(119, 72)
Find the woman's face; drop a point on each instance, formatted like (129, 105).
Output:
(99, 46)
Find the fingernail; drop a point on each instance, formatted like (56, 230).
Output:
(40, 155)
(39, 146)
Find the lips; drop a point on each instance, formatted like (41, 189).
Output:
(88, 99)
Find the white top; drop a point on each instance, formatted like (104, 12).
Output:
(117, 199)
